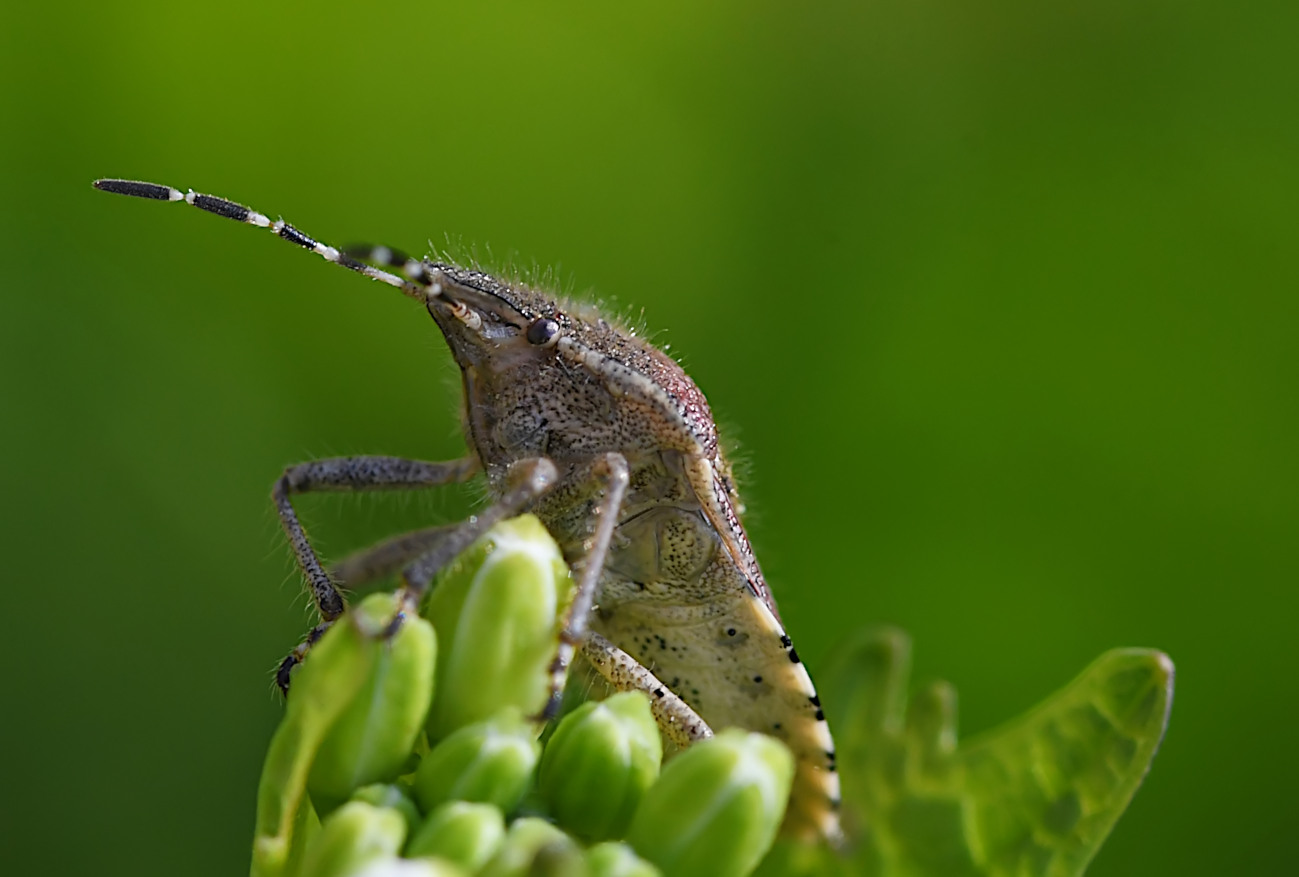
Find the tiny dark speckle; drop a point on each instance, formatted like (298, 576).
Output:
(814, 700)
(793, 655)
(786, 641)
(730, 631)
(757, 678)
(820, 715)
(658, 692)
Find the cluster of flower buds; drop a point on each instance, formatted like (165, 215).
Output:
(410, 746)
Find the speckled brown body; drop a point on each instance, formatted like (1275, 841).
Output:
(681, 590)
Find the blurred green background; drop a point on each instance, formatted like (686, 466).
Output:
(998, 300)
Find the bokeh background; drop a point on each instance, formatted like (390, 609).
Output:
(999, 300)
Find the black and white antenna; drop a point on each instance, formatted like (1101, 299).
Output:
(414, 280)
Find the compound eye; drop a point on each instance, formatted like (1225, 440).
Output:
(543, 332)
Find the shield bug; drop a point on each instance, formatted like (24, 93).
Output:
(607, 440)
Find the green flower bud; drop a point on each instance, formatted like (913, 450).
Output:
(460, 832)
(715, 810)
(597, 766)
(395, 867)
(339, 665)
(613, 859)
(535, 848)
(355, 836)
(489, 762)
(497, 611)
(394, 798)
(372, 739)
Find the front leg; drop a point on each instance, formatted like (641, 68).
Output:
(526, 481)
(607, 475)
(367, 473)
(350, 474)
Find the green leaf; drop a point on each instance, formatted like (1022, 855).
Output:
(1037, 796)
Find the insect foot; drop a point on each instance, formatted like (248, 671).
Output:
(641, 500)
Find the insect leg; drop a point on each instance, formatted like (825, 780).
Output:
(345, 474)
(611, 473)
(526, 481)
(389, 556)
(350, 474)
(679, 723)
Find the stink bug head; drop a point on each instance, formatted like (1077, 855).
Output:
(518, 391)
(483, 319)
(543, 377)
